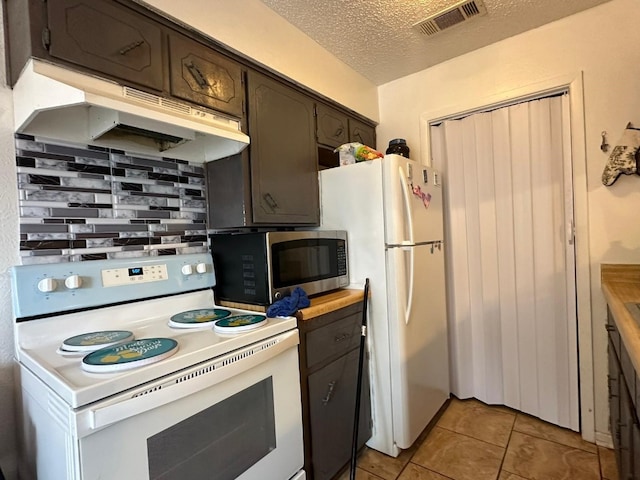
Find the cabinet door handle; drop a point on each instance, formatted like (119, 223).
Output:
(341, 338)
(132, 46)
(330, 388)
(197, 75)
(270, 201)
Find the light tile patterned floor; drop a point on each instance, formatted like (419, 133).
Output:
(474, 441)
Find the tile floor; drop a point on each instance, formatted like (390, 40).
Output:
(474, 441)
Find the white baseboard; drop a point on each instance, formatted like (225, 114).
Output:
(604, 440)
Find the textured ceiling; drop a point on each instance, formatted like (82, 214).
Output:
(376, 38)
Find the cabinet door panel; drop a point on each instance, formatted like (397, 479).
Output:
(332, 394)
(362, 133)
(284, 171)
(108, 38)
(626, 423)
(614, 398)
(202, 76)
(332, 128)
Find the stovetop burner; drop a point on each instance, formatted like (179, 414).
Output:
(92, 341)
(239, 323)
(198, 318)
(129, 355)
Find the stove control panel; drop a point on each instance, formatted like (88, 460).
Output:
(42, 289)
(115, 277)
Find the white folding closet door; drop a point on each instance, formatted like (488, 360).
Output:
(511, 272)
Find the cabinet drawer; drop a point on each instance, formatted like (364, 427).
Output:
(333, 339)
(614, 335)
(628, 372)
(108, 38)
(201, 75)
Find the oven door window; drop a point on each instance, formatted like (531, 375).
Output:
(301, 261)
(220, 442)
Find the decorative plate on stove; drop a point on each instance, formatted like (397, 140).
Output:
(88, 342)
(197, 318)
(129, 355)
(239, 323)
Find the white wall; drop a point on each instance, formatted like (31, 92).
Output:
(600, 42)
(8, 257)
(254, 30)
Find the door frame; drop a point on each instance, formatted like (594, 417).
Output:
(573, 84)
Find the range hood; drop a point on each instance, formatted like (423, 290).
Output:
(57, 103)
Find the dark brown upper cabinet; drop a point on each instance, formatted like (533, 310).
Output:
(284, 171)
(106, 37)
(203, 76)
(362, 133)
(332, 126)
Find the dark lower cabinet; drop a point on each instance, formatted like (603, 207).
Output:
(625, 427)
(329, 355)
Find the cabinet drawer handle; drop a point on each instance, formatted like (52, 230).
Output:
(197, 75)
(330, 388)
(128, 48)
(342, 337)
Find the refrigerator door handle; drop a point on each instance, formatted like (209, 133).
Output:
(409, 305)
(407, 204)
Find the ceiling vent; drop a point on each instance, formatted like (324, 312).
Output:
(454, 15)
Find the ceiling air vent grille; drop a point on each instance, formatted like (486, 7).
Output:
(454, 15)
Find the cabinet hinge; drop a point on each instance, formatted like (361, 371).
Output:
(46, 38)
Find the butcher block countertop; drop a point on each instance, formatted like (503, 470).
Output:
(319, 305)
(329, 302)
(621, 284)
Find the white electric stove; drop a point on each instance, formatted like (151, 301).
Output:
(222, 395)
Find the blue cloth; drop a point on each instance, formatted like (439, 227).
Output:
(289, 305)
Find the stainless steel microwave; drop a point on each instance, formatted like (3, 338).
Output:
(261, 267)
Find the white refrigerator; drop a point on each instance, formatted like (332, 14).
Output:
(391, 209)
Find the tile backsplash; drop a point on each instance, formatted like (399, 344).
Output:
(81, 202)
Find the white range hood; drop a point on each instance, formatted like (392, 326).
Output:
(56, 103)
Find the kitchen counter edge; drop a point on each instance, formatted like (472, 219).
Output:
(330, 302)
(620, 285)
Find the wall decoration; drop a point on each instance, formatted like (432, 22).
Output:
(623, 158)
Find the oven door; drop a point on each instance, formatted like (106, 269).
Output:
(237, 416)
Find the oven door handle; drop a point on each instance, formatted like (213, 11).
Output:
(185, 383)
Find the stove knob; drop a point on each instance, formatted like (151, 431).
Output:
(201, 268)
(47, 285)
(187, 269)
(73, 281)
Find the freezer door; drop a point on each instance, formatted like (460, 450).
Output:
(419, 358)
(412, 202)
